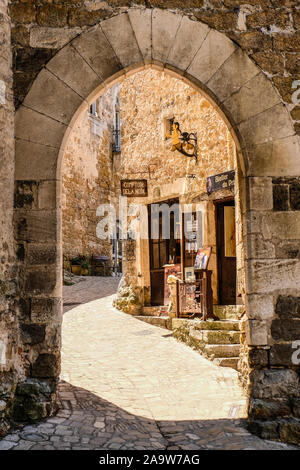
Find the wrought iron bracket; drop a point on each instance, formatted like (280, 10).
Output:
(189, 139)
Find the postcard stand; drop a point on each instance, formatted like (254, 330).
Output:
(195, 298)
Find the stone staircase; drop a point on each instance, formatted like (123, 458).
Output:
(156, 316)
(163, 321)
(218, 341)
(155, 311)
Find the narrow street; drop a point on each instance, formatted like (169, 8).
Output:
(87, 289)
(126, 384)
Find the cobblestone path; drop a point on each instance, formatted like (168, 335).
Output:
(129, 385)
(88, 289)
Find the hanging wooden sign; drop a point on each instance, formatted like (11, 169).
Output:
(134, 188)
(222, 181)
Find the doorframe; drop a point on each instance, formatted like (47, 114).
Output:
(219, 279)
(174, 199)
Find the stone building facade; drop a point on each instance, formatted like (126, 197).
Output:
(148, 100)
(87, 179)
(244, 56)
(92, 171)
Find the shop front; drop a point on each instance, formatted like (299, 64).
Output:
(193, 238)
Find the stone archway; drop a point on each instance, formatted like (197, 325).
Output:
(266, 146)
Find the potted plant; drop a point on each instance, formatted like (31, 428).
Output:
(84, 268)
(76, 265)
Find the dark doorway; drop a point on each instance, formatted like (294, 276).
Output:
(162, 252)
(226, 256)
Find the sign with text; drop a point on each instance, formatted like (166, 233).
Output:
(134, 188)
(221, 181)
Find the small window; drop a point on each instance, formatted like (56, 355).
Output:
(93, 110)
(168, 123)
(117, 129)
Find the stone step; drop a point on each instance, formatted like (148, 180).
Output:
(227, 362)
(233, 325)
(162, 321)
(228, 312)
(216, 336)
(218, 341)
(153, 311)
(222, 350)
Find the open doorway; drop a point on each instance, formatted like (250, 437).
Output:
(163, 252)
(226, 251)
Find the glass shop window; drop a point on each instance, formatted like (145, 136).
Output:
(193, 236)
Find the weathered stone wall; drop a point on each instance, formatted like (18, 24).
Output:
(10, 351)
(146, 99)
(272, 332)
(87, 179)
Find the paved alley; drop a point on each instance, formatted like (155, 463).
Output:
(86, 289)
(126, 384)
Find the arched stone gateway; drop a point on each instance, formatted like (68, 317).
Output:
(268, 155)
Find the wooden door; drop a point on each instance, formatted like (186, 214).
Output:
(226, 252)
(161, 251)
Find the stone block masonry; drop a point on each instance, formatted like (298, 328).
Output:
(10, 344)
(274, 391)
(147, 99)
(267, 30)
(286, 194)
